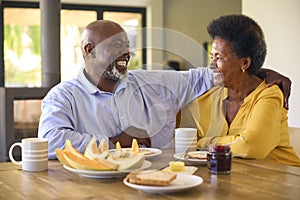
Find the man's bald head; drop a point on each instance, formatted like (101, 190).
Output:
(97, 32)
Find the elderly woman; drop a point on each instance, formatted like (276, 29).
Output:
(249, 116)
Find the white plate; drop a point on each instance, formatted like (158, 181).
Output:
(154, 151)
(106, 174)
(180, 156)
(181, 183)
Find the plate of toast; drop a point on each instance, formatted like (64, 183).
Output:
(193, 157)
(157, 181)
(106, 174)
(148, 152)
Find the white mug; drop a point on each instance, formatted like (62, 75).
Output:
(186, 133)
(34, 154)
(185, 140)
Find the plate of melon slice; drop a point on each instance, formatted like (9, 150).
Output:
(148, 152)
(99, 162)
(107, 174)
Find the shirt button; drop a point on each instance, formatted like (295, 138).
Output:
(122, 118)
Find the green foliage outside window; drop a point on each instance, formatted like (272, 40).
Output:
(14, 47)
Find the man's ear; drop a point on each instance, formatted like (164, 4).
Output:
(88, 48)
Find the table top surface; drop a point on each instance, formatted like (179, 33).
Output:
(251, 179)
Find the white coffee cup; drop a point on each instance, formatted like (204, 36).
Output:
(185, 140)
(34, 154)
(185, 133)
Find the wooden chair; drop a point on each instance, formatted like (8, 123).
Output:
(295, 139)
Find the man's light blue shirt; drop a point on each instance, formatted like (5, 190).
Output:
(150, 100)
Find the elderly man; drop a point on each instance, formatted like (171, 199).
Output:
(106, 101)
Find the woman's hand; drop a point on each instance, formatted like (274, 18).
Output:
(274, 78)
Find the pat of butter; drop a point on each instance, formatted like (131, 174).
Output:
(177, 166)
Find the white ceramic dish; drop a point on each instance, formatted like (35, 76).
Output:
(155, 152)
(106, 174)
(181, 183)
(180, 156)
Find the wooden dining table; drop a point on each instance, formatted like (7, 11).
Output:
(248, 179)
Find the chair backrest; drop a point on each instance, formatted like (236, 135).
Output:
(295, 139)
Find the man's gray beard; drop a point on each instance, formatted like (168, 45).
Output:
(114, 74)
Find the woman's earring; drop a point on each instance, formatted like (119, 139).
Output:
(243, 70)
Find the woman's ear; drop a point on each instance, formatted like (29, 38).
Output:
(246, 62)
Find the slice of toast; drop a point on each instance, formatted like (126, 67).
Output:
(151, 177)
(197, 155)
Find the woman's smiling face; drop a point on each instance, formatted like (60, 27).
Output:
(225, 62)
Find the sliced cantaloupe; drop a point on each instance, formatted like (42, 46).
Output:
(103, 146)
(100, 158)
(135, 146)
(134, 162)
(69, 147)
(118, 146)
(84, 163)
(91, 149)
(60, 156)
(119, 152)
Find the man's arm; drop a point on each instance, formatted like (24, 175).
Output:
(274, 78)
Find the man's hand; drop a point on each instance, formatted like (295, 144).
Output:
(125, 138)
(274, 78)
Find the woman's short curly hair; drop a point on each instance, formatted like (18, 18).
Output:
(244, 34)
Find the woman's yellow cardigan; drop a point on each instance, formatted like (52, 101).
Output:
(259, 129)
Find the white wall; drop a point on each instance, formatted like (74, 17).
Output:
(190, 19)
(280, 21)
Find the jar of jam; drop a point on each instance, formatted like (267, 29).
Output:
(219, 159)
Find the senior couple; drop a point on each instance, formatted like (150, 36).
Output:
(108, 101)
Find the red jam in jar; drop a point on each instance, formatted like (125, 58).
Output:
(219, 159)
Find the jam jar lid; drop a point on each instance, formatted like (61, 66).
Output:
(219, 148)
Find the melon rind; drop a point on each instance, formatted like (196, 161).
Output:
(84, 163)
(60, 156)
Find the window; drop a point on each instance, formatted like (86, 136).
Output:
(21, 46)
(26, 117)
(22, 59)
(70, 37)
